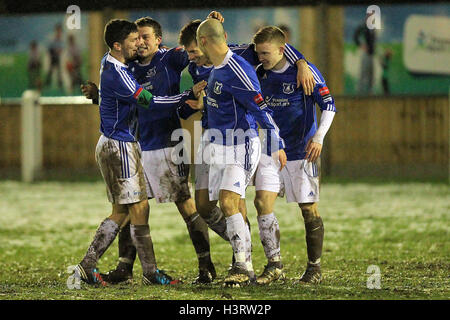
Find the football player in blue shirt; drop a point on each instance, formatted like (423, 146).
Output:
(149, 73)
(118, 155)
(200, 68)
(295, 114)
(233, 104)
(159, 71)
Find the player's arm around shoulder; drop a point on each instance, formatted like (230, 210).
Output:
(305, 77)
(177, 58)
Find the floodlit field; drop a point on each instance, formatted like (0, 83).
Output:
(402, 229)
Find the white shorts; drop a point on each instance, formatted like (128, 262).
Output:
(232, 167)
(300, 181)
(166, 181)
(121, 168)
(267, 175)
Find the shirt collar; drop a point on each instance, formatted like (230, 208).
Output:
(113, 60)
(285, 67)
(225, 60)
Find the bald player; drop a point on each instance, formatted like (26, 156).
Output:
(234, 105)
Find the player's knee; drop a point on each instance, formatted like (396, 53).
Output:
(259, 205)
(119, 213)
(309, 211)
(203, 207)
(186, 207)
(229, 206)
(202, 202)
(139, 212)
(144, 207)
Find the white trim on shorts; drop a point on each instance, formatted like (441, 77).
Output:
(232, 167)
(300, 181)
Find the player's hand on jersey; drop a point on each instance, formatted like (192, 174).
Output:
(313, 150)
(198, 88)
(280, 155)
(197, 104)
(216, 15)
(305, 77)
(89, 90)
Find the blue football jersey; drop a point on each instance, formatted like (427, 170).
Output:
(234, 102)
(246, 51)
(162, 78)
(118, 91)
(293, 111)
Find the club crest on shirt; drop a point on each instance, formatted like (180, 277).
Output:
(288, 88)
(218, 87)
(151, 72)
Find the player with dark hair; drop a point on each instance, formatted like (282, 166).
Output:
(295, 114)
(159, 71)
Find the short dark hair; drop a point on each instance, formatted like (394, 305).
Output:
(189, 33)
(117, 30)
(152, 23)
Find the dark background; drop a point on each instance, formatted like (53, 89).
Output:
(15, 6)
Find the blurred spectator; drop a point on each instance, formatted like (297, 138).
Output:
(34, 67)
(385, 64)
(73, 63)
(287, 32)
(55, 50)
(365, 39)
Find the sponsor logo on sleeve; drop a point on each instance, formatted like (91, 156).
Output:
(325, 93)
(259, 100)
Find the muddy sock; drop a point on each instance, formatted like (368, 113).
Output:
(236, 230)
(269, 233)
(140, 234)
(105, 235)
(314, 239)
(216, 221)
(248, 246)
(127, 250)
(198, 231)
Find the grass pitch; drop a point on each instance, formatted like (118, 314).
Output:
(402, 229)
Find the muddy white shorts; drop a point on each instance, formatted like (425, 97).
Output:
(232, 167)
(166, 181)
(300, 181)
(121, 168)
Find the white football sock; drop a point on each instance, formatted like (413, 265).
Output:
(269, 233)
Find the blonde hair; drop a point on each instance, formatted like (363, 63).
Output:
(269, 34)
